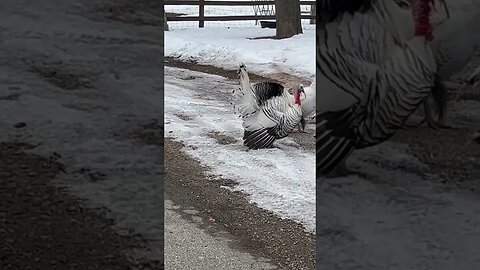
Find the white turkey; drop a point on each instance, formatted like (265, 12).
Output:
(269, 111)
(375, 67)
(455, 40)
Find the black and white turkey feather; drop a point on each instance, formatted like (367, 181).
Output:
(268, 110)
(373, 71)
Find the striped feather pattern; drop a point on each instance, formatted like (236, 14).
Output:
(258, 139)
(335, 139)
(267, 90)
(268, 110)
(389, 78)
(275, 120)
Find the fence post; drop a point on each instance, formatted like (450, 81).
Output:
(201, 20)
(165, 22)
(313, 11)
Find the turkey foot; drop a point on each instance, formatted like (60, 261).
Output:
(440, 124)
(300, 129)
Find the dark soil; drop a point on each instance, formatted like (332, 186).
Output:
(451, 154)
(150, 133)
(42, 227)
(195, 66)
(259, 231)
(63, 78)
(222, 138)
(282, 78)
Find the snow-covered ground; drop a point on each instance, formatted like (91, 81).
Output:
(281, 179)
(226, 48)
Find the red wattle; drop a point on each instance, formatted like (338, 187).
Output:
(298, 100)
(424, 28)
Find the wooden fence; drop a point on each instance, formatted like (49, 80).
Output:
(201, 18)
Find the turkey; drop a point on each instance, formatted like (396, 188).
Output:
(375, 68)
(456, 38)
(269, 111)
(308, 104)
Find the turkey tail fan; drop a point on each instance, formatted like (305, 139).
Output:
(335, 139)
(248, 103)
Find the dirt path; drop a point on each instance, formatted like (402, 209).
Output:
(80, 79)
(257, 231)
(288, 80)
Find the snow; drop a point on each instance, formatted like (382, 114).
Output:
(226, 48)
(281, 180)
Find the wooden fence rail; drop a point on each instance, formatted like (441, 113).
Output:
(201, 18)
(226, 3)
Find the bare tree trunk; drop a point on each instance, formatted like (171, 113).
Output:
(313, 11)
(288, 18)
(165, 24)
